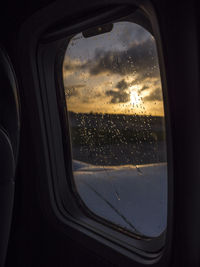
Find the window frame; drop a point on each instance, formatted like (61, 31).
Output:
(66, 127)
(142, 21)
(137, 250)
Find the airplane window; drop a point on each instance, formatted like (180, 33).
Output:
(117, 126)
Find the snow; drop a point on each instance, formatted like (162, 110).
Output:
(132, 197)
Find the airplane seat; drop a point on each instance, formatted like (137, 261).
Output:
(9, 140)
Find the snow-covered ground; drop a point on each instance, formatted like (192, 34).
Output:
(134, 197)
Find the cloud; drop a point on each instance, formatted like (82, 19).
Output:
(122, 85)
(156, 95)
(73, 90)
(120, 95)
(140, 58)
(144, 88)
(70, 66)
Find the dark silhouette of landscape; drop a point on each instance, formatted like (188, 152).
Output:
(117, 139)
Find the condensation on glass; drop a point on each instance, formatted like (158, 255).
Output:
(116, 116)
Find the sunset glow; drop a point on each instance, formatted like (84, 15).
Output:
(135, 99)
(105, 74)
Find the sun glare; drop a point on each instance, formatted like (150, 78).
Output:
(134, 96)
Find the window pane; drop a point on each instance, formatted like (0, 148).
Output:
(115, 107)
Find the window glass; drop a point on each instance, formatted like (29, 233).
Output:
(116, 118)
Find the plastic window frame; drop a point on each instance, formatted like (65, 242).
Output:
(141, 20)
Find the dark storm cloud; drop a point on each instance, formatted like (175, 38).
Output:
(139, 58)
(72, 90)
(156, 95)
(119, 95)
(122, 85)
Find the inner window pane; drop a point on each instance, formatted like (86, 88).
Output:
(116, 117)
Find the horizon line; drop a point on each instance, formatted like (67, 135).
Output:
(124, 114)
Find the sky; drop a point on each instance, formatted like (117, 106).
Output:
(115, 72)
